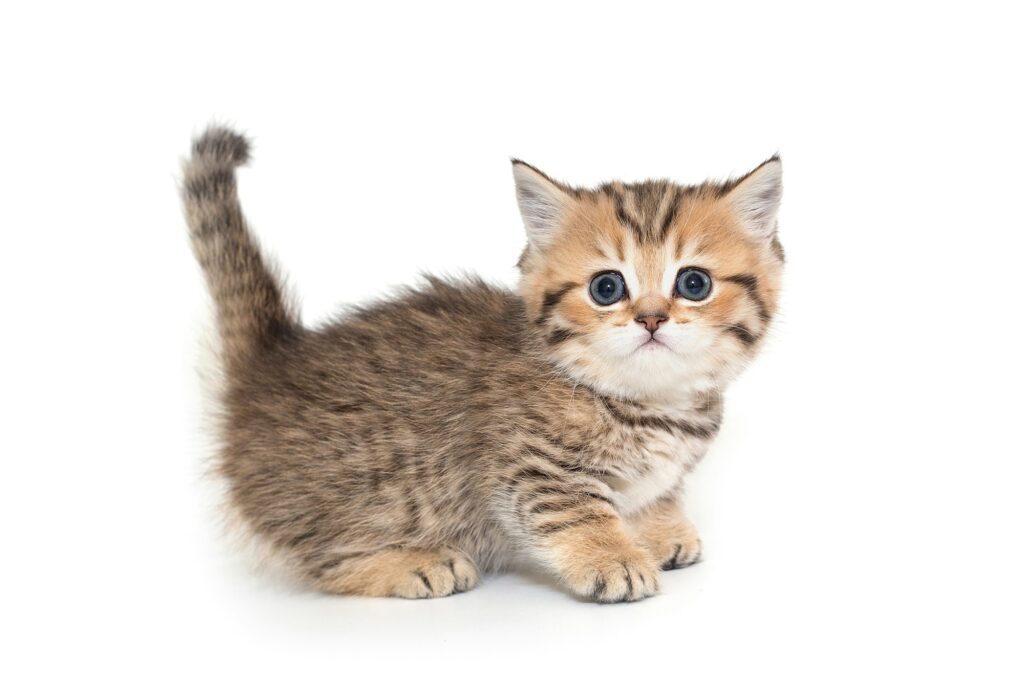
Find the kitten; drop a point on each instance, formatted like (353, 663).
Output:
(460, 427)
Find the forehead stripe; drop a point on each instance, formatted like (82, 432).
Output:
(653, 208)
(624, 217)
(670, 213)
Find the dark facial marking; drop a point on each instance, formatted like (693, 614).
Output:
(670, 214)
(560, 335)
(749, 284)
(742, 333)
(551, 299)
(624, 217)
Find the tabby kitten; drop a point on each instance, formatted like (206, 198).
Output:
(460, 427)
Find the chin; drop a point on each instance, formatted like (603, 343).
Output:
(656, 375)
(684, 360)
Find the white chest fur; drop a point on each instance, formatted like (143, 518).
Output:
(666, 459)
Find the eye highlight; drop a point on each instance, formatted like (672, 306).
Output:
(607, 288)
(693, 284)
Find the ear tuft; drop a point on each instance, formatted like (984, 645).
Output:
(542, 203)
(756, 196)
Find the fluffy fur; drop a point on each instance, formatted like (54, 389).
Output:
(460, 426)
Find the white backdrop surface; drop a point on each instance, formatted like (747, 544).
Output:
(861, 511)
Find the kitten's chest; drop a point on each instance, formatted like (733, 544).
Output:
(652, 467)
(645, 453)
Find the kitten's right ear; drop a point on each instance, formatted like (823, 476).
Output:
(543, 203)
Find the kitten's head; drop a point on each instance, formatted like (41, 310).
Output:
(649, 289)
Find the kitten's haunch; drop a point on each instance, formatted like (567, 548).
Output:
(462, 427)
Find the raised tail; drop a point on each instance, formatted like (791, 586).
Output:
(251, 311)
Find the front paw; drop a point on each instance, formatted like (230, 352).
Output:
(680, 552)
(627, 577)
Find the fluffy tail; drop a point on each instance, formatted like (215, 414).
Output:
(251, 311)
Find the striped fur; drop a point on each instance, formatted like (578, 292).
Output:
(461, 427)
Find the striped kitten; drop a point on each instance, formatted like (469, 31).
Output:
(460, 427)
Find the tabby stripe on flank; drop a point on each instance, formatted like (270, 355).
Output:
(558, 443)
(534, 472)
(336, 561)
(547, 490)
(565, 450)
(552, 458)
(567, 502)
(546, 499)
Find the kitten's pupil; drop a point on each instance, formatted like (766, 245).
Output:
(694, 283)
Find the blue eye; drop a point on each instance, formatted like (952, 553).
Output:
(693, 284)
(607, 288)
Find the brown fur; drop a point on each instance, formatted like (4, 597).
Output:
(459, 426)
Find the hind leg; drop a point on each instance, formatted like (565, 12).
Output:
(398, 572)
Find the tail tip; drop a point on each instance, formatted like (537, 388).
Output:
(220, 143)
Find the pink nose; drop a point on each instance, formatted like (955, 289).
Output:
(651, 320)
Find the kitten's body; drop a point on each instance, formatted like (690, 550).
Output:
(460, 425)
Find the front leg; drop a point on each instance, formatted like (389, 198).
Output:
(664, 529)
(565, 520)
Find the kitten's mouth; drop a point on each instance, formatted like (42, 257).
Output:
(651, 344)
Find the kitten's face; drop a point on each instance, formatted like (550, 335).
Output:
(651, 289)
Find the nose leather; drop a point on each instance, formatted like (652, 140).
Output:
(650, 320)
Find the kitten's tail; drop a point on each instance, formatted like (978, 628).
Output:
(251, 310)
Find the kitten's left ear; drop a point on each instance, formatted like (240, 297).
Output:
(755, 198)
(543, 202)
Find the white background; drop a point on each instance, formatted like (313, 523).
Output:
(861, 511)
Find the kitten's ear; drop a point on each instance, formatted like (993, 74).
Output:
(755, 198)
(542, 202)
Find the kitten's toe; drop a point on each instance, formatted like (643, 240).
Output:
(617, 579)
(464, 572)
(629, 581)
(443, 574)
(686, 552)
